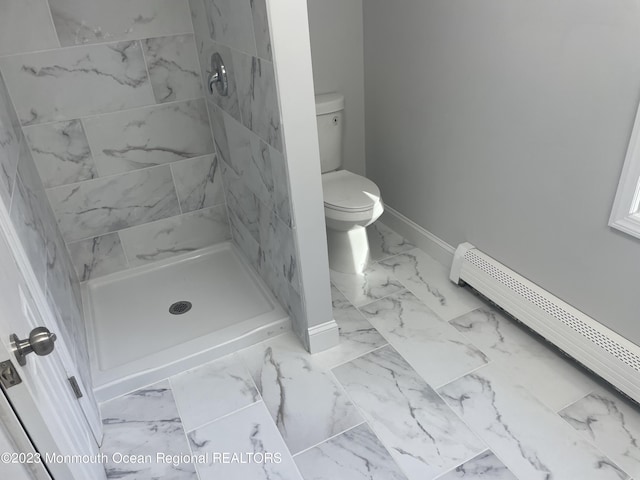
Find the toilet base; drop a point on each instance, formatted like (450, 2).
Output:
(348, 250)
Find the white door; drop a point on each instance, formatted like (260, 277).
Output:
(44, 401)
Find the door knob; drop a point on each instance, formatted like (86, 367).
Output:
(40, 341)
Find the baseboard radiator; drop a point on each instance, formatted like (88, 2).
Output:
(595, 346)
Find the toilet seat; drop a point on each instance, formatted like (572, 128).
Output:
(348, 192)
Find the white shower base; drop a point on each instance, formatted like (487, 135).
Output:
(135, 341)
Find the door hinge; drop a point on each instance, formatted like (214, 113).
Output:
(75, 387)
(9, 375)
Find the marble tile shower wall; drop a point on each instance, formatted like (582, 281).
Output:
(246, 126)
(24, 197)
(110, 99)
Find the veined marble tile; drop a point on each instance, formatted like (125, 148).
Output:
(61, 153)
(250, 158)
(93, 21)
(105, 205)
(281, 186)
(376, 282)
(612, 423)
(134, 139)
(198, 182)
(554, 380)
(228, 103)
(485, 466)
(354, 455)
(421, 432)
(533, 441)
(216, 119)
(261, 28)
(212, 391)
(199, 18)
(385, 243)
(251, 434)
(173, 67)
(26, 26)
(231, 23)
(304, 401)
(9, 144)
(429, 281)
(241, 202)
(258, 97)
(244, 239)
(145, 422)
(87, 80)
(176, 235)
(28, 213)
(357, 335)
(434, 348)
(278, 245)
(98, 256)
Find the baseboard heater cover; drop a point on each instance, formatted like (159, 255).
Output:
(601, 350)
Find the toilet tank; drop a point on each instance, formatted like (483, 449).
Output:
(329, 116)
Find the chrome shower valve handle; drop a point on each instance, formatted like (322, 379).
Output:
(217, 77)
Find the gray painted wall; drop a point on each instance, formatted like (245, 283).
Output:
(335, 27)
(507, 126)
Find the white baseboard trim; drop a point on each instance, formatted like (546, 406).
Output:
(323, 336)
(421, 238)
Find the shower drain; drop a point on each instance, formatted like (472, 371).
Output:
(180, 307)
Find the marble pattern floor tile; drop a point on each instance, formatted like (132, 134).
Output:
(485, 466)
(145, 422)
(375, 283)
(305, 402)
(532, 440)
(385, 243)
(429, 281)
(437, 351)
(356, 454)
(213, 390)
(422, 433)
(556, 381)
(357, 335)
(250, 433)
(611, 423)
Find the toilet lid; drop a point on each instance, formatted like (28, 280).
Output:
(348, 192)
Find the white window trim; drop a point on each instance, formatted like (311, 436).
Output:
(625, 215)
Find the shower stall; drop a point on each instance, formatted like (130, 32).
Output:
(167, 222)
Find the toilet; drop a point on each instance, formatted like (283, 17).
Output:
(351, 201)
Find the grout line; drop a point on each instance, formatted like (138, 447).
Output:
(88, 44)
(363, 415)
(124, 252)
(175, 189)
(226, 415)
(53, 25)
(114, 112)
(363, 422)
(462, 463)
